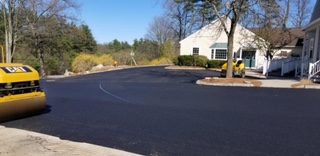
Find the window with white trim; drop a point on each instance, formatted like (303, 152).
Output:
(195, 51)
(220, 54)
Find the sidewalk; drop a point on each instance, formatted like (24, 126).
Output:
(16, 142)
(272, 81)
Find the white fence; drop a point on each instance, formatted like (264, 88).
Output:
(290, 66)
(275, 64)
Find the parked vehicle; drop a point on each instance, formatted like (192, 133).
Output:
(238, 69)
(20, 92)
(315, 78)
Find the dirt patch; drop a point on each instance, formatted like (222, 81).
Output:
(233, 81)
(305, 83)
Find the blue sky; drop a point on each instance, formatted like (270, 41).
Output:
(124, 20)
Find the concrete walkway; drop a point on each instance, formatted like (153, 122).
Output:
(16, 142)
(278, 83)
(272, 81)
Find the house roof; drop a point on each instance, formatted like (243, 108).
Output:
(216, 24)
(315, 18)
(201, 29)
(219, 45)
(289, 37)
(316, 12)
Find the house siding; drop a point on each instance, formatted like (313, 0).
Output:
(213, 33)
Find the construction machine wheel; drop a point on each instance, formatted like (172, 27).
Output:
(223, 73)
(242, 74)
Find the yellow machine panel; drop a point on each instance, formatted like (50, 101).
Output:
(20, 92)
(238, 69)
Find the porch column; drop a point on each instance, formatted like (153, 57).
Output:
(303, 54)
(316, 45)
(304, 49)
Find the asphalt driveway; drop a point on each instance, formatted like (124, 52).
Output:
(153, 111)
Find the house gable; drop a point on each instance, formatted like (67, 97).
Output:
(290, 37)
(212, 42)
(205, 31)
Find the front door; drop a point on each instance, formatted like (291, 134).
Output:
(248, 58)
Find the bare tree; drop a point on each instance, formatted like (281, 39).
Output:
(181, 14)
(188, 16)
(12, 23)
(234, 10)
(301, 12)
(286, 13)
(159, 30)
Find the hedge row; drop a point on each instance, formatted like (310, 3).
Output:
(216, 63)
(197, 60)
(190, 60)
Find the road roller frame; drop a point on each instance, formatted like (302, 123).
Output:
(20, 92)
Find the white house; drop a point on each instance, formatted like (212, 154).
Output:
(310, 64)
(211, 41)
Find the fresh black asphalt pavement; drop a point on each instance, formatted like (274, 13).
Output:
(153, 111)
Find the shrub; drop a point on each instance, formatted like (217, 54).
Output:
(105, 59)
(144, 62)
(52, 65)
(200, 61)
(175, 60)
(295, 55)
(161, 61)
(185, 60)
(123, 57)
(191, 60)
(215, 63)
(34, 62)
(84, 62)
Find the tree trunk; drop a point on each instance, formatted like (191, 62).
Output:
(10, 18)
(41, 61)
(230, 57)
(39, 51)
(230, 47)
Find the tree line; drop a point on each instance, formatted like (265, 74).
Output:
(46, 34)
(43, 34)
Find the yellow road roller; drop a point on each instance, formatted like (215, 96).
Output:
(20, 92)
(238, 69)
